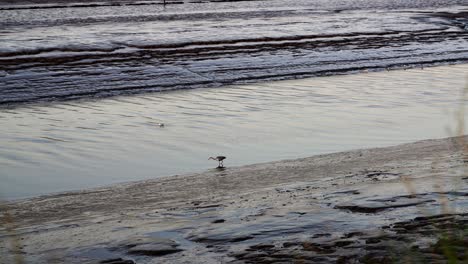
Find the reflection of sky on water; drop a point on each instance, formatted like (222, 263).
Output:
(63, 53)
(80, 144)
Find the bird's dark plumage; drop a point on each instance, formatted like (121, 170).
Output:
(219, 159)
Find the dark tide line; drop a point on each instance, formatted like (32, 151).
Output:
(54, 139)
(59, 6)
(196, 50)
(26, 6)
(135, 90)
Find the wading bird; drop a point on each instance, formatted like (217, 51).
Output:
(219, 159)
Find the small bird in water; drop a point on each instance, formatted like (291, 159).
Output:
(219, 159)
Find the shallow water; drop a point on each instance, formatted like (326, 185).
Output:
(79, 144)
(67, 53)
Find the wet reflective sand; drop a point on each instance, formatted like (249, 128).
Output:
(50, 54)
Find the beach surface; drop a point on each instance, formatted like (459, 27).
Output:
(98, 93)
(362, 205)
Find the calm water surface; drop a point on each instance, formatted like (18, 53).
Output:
(80, 144)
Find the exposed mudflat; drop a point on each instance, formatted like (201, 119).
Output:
(374, 205)
(66, 50)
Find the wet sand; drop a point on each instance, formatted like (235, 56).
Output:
(104, 49)
(370, 205)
